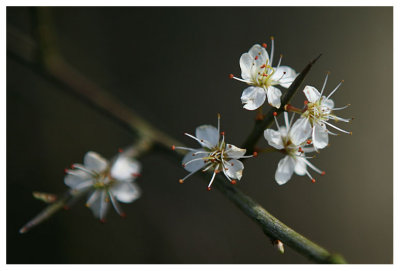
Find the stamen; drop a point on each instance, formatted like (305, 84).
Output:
(173, 147)
(340, 108)
(279, 64)
(323, 87)
(193, 160)
(212, 180)
(198, 140)
(333, 91)
(323, 173)
(333, 126)
(313, 181)
(264, 45)
(255, 154)
(233, 182)
(262, 66)
(272, 50)
(256, 58)
(116, 206)
(208, 188)
(312, 166)
(309, 141)
(231, 76)
(275, 114)
(187, 176)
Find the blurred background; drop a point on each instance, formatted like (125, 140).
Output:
(171, 66)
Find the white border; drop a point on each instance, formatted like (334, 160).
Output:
(396, 186)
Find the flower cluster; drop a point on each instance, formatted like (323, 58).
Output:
(106, 181)
(308, 134)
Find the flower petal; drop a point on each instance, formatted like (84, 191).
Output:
(234, 169)
(77, 178)
(300, 131)
(274, 96)
(125, 191)
(94, 161)
(312, 94)
(327, 103)
(285, 170)
(125, 168)
(253, 97)
(197, 164)
(300, 167)
(259, 55)
(234, 152)
(274, 138)
(320, 136)
(209, 134)
(98, 203)
(246, 62)
(284, 76)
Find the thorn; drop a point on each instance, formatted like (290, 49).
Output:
(231, 76)
(180, 181)
(233, 182)
(264, 45)
(255, 154)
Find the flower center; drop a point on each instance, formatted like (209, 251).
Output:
(316, 112)
(103, 180)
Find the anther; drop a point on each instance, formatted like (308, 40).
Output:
(120, 150)
(180, 180)
(136, 174)
(275, 114)
(232, 164)
(183, 165)
(256, 58)
(255, 154)
(222, 133)
(66, 207)
(229, 146)
(272, 38)
(305, 102)
(231, 76)
(309, 141)
(300, 149)
(323, 173)
(233, 182)
(72, 166)
(65, 170)
(201, 140)
(123, 215)
(262, 66)
(264, 45)
(102, 221)
(313, 181)
(351, 133)
(208, 188)
(193, 154)
(173, 147)
(284, 72)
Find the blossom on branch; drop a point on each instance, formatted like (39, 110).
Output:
(257, 71)
(215, 154)
(108, 182)
(292, 140)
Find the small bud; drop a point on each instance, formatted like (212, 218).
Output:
(279, 246)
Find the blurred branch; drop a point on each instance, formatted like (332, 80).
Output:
(261, 125)
(54, 68)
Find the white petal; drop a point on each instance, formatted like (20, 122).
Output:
(125, 191)
(274, 96)
(125, 168)
(253, 97)
(312, 94)
(234, 169)
(327, 103)
(284, 76)
(75, 178)
(246, 62)
(300, 131)
(98, 203)
(285, 170)
(320, 137)
(94, 161)
(300, 166)
(274, 138)
(195, 165)
(259, 55)
(234, 152)
(209, 134)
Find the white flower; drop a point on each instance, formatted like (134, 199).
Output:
(107, 181)
(215, 154)
(258, 72)
(292, 140)
(319, 111)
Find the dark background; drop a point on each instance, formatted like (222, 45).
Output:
(171, 65)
